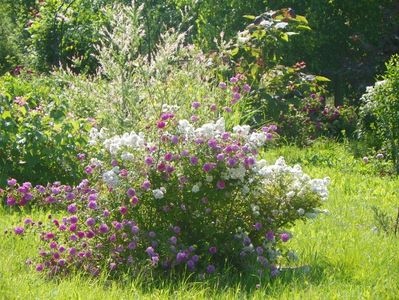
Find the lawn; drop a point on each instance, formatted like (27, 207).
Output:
(340, 255)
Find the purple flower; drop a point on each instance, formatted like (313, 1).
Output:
(210, 269)
(270, 235)
(161, 124)
(196, 105)
(213, 250)
(132, 245)
(168, 156)
(259, 250)
(185, 153)
(19, 230)
(81, 156)
(231, 161)
(284, 237)
(131, 192)
(73, 219)
(213, 107)
(190, 265)
(180, 257)
(223, 85)
(106, 213)
(135, 229)
(194, 160)
(150, 251)
(123, 210)
(149, 160)
(89, 170)
(40, 188)
(173, 240)
(220, 185)
(11, 201)
(70, 196)
(207, 167)
(72, 251)
(53, 245)
(176, 229)
(212, 143)
(117, 225)
(146, 185)
(39, 268)
(90, 222)
(11, 182)
(174, 139)
(258, 226)
(90, 234)
(104, 228)
(72, 208)
(92, 205)
(195, 258)
(194, 118)
(233, 79)
(246, 87)
(28, 221)
(151, 234)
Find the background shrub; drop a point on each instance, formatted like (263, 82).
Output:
(40, 137)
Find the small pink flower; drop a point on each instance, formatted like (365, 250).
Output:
(220, 185)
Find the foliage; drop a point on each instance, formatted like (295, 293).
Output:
(331, 249)
(385, 223)
(40, 138)
(349, 43)
(180, 197)
(379, 113)
(177, 74)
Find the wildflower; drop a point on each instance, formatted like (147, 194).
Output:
(104, 228)
(195, 105)
(284, 237)
(161, 124)
(146, 185)
(92, 205)
(131, 192)
(220, 185)
(39, 268)
(19, 230)
(270, 235)
(72, 208)
(210, 269)
(12, 182)
(194, 160)
(223, 85)
(213, 250)
(123, 210)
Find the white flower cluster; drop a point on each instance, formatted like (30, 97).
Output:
(96, 135)
(159, 193)
(300, 182)
(131, 140)
(206, 131)
(170, 108)
(210, 130)
(111, 177)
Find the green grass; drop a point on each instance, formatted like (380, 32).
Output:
(346, 258)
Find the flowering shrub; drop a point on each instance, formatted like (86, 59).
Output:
(379, 113)
(39, 138)
(181, 197)
(313, 118)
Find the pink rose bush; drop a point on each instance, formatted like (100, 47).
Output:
(180, 197)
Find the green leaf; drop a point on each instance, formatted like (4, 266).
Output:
(6, 114)
(249, 17)
(322, 78)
